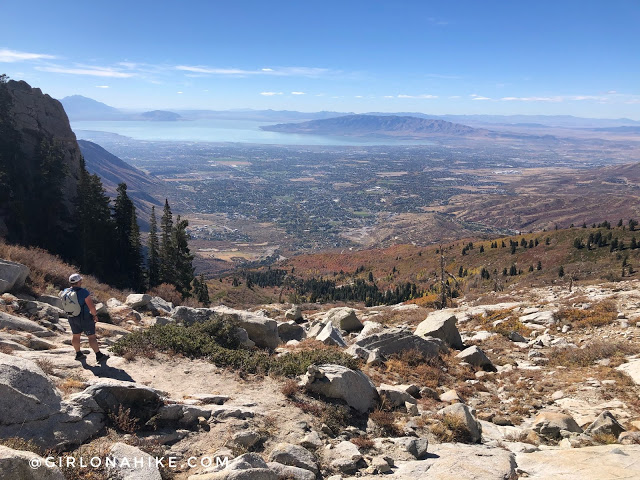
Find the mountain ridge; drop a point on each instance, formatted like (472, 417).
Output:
(377, 125)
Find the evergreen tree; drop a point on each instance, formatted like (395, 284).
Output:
(539, 266)
(167, 257)
(94, 227)
(201, 291)
(153, 245)
(128, 260)
(184, 259)
(561, 271)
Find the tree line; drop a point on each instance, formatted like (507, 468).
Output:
(325, 290)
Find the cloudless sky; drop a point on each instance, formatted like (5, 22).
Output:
(460, 57)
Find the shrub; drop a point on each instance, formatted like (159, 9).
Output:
(364, 443)
(412, 366)
(49, 274)
(604, 438)
(216, 340)
(290, 388)
(336, 417)
(123, 421)
(47, 366)
(386, 422)
(595, 350)
(451, 428)
(603, 313)
(511, 324)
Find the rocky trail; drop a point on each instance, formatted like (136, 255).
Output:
(540, 383)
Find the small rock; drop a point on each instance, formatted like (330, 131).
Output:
(344, 318)
(295, 456)
(450, 396)
(246, 439)
(331, 336)
(381, 465)
(138, 300)
(606, 423)
(475, 356)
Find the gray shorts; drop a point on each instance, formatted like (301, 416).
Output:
(82, 323)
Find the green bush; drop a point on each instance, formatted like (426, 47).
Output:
(216, 341)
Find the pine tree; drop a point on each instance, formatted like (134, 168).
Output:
(153, 246)
(128, 259)
(201, 291)
(94, 227)
(167, 253)
(184, 258)
(561, 271)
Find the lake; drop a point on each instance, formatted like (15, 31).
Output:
(234, 131)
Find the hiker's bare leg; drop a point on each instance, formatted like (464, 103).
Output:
(93, 342)
(75, 341)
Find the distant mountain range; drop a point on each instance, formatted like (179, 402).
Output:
(378, 126)
(83, 108)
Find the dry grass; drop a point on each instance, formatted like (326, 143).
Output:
(6, 349)
(510, 325)
(72, 469)
(130, 356)
(364, 443)
(604, 438)
(49, 274)
(411, 366)
(595, 350)
(18, 443)
(386, 421)
(603, 313)
(290, 388)
(71, 384)
(47, 366)
(451, 428)
(523, 437)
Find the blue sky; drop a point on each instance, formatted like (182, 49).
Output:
(460, 57)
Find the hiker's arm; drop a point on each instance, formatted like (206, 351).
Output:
(92, 308)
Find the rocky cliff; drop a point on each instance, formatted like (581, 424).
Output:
(35, 117)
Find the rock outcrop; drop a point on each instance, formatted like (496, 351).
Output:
(441, 324)
(336, 381)
(37, 116)
(12, 275)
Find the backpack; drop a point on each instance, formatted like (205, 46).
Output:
(70, 302)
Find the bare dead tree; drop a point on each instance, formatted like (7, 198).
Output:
(445, 288)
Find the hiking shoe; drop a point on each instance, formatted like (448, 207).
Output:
(80, 356)
(101, 357)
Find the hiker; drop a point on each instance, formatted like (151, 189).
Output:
(78, 304)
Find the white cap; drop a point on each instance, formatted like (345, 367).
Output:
(75, 278)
